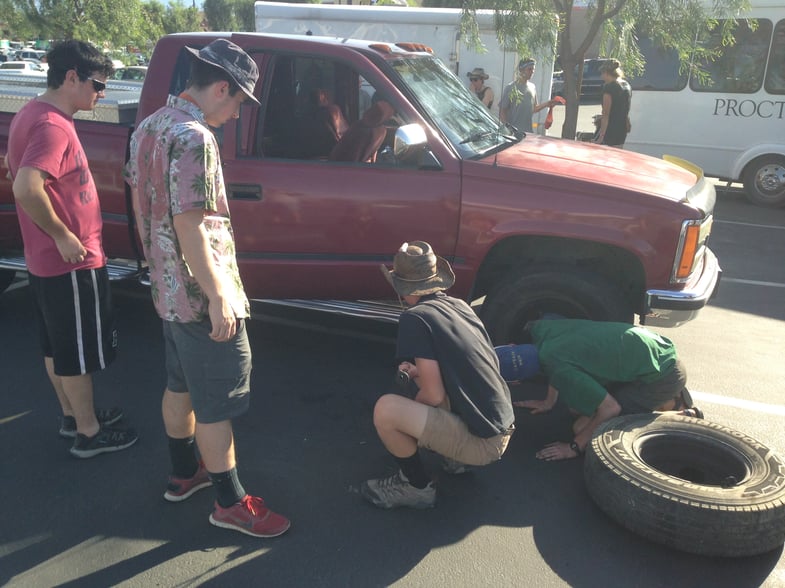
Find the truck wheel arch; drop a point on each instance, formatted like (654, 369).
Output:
(536, 291)
(524, 277)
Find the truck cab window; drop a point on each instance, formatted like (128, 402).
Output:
(310, 105)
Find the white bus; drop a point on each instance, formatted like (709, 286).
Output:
(733, 123)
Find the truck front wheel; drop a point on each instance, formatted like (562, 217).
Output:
(563, 290)
(764, 181)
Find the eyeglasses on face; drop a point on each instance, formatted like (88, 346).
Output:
(98, 85)
(474, 79)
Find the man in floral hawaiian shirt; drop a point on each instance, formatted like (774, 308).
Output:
(183, 218)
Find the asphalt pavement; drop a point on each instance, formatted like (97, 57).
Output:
(308, 441)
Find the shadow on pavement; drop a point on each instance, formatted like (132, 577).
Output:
(305, 445)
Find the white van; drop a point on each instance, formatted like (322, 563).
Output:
(438, 28)
(733, 123)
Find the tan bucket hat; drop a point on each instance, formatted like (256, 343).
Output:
(418, 271)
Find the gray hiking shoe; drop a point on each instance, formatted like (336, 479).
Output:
(396, 491)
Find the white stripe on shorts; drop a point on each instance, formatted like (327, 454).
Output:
(78, 321)
(98, 330)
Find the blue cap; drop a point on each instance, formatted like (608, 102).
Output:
(518, 362)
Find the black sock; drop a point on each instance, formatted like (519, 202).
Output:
(228, 488)
(183, 457)
(413, 468)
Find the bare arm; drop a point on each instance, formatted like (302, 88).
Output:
(540, 406)
(194, 244)
(607, 102)
(31, 196)
(488, 97)
(538, 107)
(428, 377)
(607, 409)
(137, 213)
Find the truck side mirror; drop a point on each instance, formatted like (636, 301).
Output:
(411, 147)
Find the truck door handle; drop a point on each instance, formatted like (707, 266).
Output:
(244, 191)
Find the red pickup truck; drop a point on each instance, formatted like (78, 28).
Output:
(536, 226)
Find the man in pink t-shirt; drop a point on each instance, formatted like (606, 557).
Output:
(60, 218)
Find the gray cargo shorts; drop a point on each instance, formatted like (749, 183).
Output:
(217, 375)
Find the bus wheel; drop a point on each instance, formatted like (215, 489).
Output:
(691, 484)
(764, 181)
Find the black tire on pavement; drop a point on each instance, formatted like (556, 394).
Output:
(564, 290)
(6, 277)
(764, 181)
(690, 484)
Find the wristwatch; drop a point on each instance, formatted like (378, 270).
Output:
(575, 448)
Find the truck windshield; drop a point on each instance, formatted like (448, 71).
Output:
(463, 119)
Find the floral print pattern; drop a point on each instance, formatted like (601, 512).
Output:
(175, 165)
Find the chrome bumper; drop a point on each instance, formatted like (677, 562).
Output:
(671, 308)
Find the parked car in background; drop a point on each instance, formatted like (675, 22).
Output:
(23, 68)
(592, 80)
(34, 54)
(134, 73)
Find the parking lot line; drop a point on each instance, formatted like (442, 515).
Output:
(753, 282)
(769, 409)
(753, 225)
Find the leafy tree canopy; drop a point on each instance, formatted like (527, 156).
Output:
(530, 26)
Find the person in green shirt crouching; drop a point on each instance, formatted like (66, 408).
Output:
(601, 370)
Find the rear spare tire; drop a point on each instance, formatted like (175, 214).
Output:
(690, 484)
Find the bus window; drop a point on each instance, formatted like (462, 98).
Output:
(739, 67)
(775, 74)
(661, 71)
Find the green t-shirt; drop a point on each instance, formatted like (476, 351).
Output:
(582, 357)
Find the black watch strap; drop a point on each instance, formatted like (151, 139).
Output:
(575, 448)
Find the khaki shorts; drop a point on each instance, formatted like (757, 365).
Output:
(446, 434)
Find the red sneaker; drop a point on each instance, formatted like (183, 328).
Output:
(178, 489)
(250, 516)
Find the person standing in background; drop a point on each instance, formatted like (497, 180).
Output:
(519, 99)
(484, 93)
(616, 97)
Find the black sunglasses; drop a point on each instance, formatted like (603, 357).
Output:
(98, 85)
(474, 79)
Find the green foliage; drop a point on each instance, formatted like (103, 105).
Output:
(106, 23)
(528, 26)
(230, 15)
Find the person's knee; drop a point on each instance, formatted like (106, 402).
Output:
(385, 410)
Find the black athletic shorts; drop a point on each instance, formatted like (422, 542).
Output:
(75, 321)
